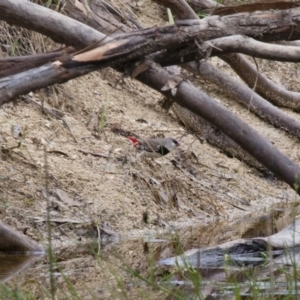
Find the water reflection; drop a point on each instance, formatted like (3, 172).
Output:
(97, 265)
(243, 264)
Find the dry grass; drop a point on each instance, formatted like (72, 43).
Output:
(133, 198)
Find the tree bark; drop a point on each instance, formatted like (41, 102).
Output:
(156, 77)
(209, 109)
(285, 24)
(251, 47)
(12, 241)
(236, 90)
(244, 69)
(14, 65)
(264, 86)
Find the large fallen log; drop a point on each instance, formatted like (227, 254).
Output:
(128, 47)
(12, 241)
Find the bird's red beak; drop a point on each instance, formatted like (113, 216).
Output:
(133, 140)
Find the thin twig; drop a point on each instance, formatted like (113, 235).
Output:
(256, 80)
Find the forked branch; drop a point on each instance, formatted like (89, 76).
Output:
(127, 47)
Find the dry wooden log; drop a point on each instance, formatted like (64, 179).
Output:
(156, 77)
(239, 92)
(215, 137)
(13, 264)
(249, 46)
(12, 241)
(97, 17)
(234, 88)
(209, 109)
(264, 86)
(285, 24)
(232, 44)
(14, 65)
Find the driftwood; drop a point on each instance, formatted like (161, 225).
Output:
(122, 50)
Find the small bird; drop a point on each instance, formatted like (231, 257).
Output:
(153, 148)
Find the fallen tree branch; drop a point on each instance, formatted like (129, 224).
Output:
(194, 100)
(240, 92)
(236, 90)
(13, 241)
(209, 109)
(263, 86)
(214, 136)
(249, 46)
(285, 24)
(14, 65)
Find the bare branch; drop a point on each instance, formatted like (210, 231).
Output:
(186, 95)
(44, 21)
(284, 24)
(265, 87)
(98, 19)
(247, 97)
(180, 8)
(249, 46)
(13, 65)
(244, 69)
(198, 102)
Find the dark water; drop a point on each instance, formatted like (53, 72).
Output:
(88, 264)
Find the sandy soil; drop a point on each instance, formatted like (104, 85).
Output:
(109, 191)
